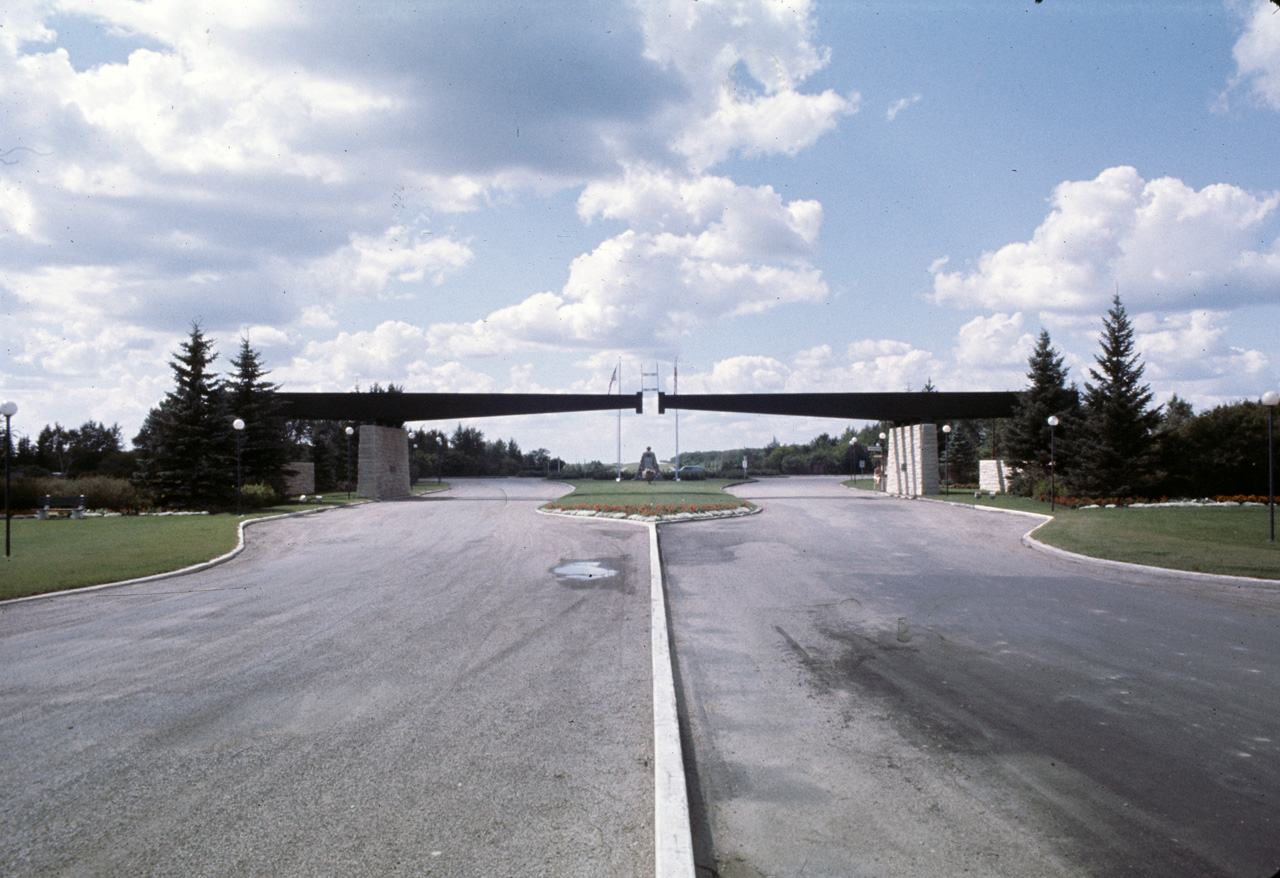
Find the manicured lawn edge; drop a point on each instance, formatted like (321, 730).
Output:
(192, 568)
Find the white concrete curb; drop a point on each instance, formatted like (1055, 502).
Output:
(673, 835)
(194, 568)
(1032, 543)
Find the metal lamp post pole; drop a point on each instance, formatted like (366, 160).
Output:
(349, 431)
(9, 409)
(238, 425)
(946, 456)
(884, 462)
(1053, 486)
(1270, 399)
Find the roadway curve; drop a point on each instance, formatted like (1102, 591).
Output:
(396, 688)
(882, 687)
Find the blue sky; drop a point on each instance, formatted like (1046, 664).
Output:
(787, 196)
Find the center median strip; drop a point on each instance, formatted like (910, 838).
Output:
(673, 835)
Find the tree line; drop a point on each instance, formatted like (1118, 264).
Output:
(186, 453)
(1111, 442)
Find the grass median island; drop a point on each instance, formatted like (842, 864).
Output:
(667, 497)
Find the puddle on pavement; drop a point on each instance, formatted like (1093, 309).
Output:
(591, 574)
(584, 571)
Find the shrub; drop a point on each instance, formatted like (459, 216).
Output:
(257, 495)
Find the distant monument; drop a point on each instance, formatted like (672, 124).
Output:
(648, 469)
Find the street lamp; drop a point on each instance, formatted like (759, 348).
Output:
(884, 461)
(1053, 487)
(238, 426)
(349, 431)
(946, 456)
(9, 409)
(1269, 399)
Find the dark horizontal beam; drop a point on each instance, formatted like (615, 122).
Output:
(898, 407)
(402, 407)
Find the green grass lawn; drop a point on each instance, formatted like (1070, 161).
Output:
(60, 553)
(427, 487)
(1230, 540)
(641, 497)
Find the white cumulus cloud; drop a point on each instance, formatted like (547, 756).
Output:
(1257, 52)
(1165, 244)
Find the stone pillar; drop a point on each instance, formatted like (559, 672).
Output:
(911, 460)
(382, 472)
(994, 475)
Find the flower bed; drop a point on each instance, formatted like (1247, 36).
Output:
(653, 511)
(1141, 503)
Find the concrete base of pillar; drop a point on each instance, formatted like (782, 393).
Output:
(383, 468)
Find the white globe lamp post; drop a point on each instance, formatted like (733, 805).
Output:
(1270, 399)
(238, 426)
(8, 409)
(1053, 476)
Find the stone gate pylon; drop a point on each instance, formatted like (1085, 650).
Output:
(383, 470)
(911, 460)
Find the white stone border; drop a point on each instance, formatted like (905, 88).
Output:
(1032, 543)
(194, 568)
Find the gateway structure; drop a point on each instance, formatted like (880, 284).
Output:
(911, 458)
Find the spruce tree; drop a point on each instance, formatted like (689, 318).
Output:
(263, 451)
(960, 454)
(187, 447)
(1027, 439)
(1112, 455)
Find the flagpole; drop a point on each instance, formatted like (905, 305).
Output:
(675, 391)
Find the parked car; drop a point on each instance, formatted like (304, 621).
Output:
(691, 472)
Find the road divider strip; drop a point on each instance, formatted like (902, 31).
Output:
(672, 830)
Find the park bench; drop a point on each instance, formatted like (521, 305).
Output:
(54, 503)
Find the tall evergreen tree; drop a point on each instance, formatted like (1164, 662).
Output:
(186, 444)
(250, 397)
(1113, 452)
(960, 453)
(1027, 438)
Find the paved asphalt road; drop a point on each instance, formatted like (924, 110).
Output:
(394, 689)
(882, 687)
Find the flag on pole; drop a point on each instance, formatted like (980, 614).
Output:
(612, 379)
